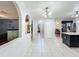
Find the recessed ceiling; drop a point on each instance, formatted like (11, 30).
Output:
(58, 8)
(8, 10)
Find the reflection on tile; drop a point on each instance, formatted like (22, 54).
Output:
(37, 48)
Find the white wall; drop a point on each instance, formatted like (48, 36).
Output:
(42, 28)
(35, 29)
(77, 25)
(22, 12)
(49, 29)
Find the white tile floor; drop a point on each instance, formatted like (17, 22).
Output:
(25, 47)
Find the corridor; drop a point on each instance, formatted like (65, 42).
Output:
(48, 18)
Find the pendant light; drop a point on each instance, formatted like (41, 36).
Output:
(47, 13)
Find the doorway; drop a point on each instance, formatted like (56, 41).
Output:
(44, 28)
(9, 22)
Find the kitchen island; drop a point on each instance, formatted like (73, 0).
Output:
(71, 39)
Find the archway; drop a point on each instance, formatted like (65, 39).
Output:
(9, 21)
(19, 17)
(22, 12)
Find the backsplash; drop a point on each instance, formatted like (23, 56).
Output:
(8, 24)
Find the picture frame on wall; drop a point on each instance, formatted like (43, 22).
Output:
(27, 24)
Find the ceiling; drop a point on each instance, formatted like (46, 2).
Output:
(8, 10)
(58, 8)
(36, 8)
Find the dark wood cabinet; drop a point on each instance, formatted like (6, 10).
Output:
(71, 40)
(3, 38)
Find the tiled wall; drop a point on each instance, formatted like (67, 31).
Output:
(7, 24)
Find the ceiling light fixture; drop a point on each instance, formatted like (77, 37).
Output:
(76, 14)
(46, 13)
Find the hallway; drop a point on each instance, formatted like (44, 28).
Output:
(23, 47)
(20, 22)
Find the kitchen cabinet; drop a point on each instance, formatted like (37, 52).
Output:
(12, 34)
(71, 39)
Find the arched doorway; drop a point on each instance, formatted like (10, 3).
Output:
(9, 22)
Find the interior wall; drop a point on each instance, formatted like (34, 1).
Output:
(77, 24)
(22, 12)
(49, 28)
(7, 24)
(35, 29)
(41, 22)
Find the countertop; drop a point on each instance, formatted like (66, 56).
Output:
(71, 33)
(13, 29)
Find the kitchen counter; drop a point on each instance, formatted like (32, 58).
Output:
(71, 33)
(12, 29)
(71, 39)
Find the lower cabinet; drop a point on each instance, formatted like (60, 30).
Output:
(66, 39)
(8, 36)
(70, 40)
(12, 35)
(3, 38)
